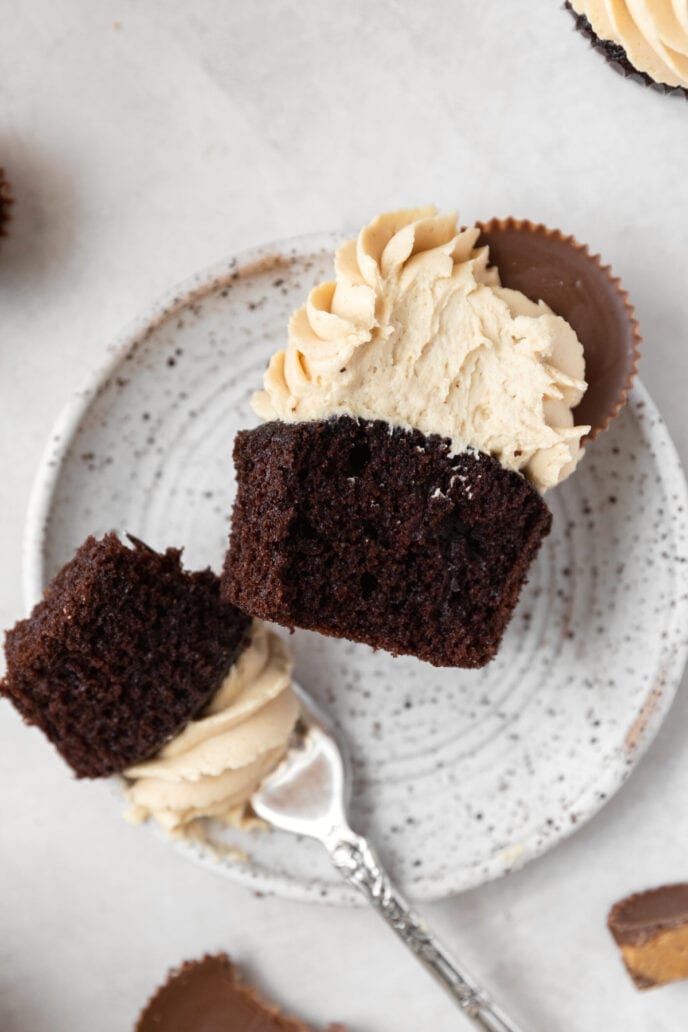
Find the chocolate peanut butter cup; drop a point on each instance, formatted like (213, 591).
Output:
(6, 202)
(618, 60)
(207, 995)
(651, 930)
(547, 265)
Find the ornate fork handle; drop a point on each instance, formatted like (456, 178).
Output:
(358, 864)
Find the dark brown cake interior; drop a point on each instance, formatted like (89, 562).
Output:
(380, 535)
(122, 651)
(207, 995)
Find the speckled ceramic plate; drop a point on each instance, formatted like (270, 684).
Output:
(460, 776)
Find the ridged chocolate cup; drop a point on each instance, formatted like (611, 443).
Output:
(207, 995)
(617, 58)
(546, 265)
(6, 201)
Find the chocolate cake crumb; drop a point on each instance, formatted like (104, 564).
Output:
(5, 203)
(377, 534)
(123, 650)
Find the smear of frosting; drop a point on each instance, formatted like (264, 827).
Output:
(654, 34)
(214, 765)
(417, 331)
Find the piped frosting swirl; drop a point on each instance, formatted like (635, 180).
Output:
(416, 331)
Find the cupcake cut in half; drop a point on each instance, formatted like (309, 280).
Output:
(417, 414)
(132, 665)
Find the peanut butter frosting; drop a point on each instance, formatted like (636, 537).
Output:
(417, 331)
(654, 34)
(214, 765)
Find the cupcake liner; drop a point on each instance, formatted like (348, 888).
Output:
(547, 265)
(6, 201)
(617, 59)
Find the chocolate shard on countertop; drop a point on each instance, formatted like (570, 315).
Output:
(207, 995)
(651, 930)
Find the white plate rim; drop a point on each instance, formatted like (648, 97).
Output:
(40, 503)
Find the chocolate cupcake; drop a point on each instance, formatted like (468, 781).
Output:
(208, 995)
(419, 411)
(643, 40)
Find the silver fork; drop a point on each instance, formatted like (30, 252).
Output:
(308, 794)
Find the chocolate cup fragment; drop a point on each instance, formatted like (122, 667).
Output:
(6, 202)
(546, 265)
(207, 995)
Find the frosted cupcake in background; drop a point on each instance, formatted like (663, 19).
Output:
(644, 40)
